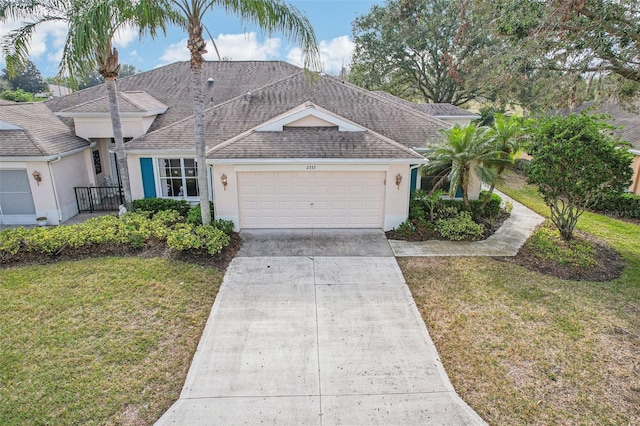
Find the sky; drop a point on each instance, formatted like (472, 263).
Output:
(331, 20)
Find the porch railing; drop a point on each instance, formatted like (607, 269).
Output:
(99, 198)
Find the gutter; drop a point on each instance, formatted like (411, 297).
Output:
(319, 161)
(49, 157)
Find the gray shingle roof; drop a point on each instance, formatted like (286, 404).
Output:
(171, 85)
(310, 142)
(138, 101)
(41, 133)
(629, 122)
(435, 109)
(386, 117)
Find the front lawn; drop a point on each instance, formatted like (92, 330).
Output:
(525, 348)
(99, 341)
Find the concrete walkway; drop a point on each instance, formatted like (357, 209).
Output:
(316, 328)
(505, 242)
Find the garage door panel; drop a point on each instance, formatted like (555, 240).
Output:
(311, 199)
(16, 201)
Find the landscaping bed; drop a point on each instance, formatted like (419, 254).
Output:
(432, 217)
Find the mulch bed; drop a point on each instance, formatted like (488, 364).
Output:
(490, 227)
(153, 248)
(608, 266)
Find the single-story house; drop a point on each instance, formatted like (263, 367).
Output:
(284, 149)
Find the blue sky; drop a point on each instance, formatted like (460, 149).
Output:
(331, 20)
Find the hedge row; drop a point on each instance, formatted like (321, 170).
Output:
(622, 205)
(133, 229)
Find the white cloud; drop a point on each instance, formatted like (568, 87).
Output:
(334, 54)
(237, 47)
(124, 36)
(48, 39)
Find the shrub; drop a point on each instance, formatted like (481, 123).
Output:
(194, 215)
(156, 205)
(458, 228)
(226, 226)
(187, 236)
(491, 210)
(521, 166)
(405, 229)
(622, 205)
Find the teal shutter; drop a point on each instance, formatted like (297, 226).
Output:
(414, 180)
(148, 179)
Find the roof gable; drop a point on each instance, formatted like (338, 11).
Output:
(302, 114)
(36, 132)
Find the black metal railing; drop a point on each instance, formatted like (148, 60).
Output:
(99, 198)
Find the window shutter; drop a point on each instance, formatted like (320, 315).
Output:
(148, 179)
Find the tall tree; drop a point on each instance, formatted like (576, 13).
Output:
(579, 42)
(419, 50)
(577, 160)
(88, 45)
(270, 15)
(27, 78)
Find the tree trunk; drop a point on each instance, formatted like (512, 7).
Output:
(121, 155)
(464, 183)
(196, 46)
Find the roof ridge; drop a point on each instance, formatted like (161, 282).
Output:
(378, 96)
(211, 108)
(83, 103)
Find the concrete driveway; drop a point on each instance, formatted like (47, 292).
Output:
(316, 328)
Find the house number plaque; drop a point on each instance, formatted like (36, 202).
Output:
(311, 167)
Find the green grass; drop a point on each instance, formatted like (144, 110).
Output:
(528, 349)
(99, 341)
(548, 244)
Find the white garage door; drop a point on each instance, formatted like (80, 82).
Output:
(311, 199)
(16, 202)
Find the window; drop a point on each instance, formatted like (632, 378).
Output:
(178, 177)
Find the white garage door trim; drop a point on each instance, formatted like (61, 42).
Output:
(315, 199)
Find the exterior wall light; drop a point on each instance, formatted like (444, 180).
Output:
(37, 176)
(224, 181)
(398, 180)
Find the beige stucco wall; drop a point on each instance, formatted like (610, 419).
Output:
(396, 205)
(135, 176)
(225, 200)
(68, 173)
(635, 182)
(100, 127)
(310, 121)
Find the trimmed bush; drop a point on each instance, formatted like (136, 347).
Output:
(226, 226)
(459, 228)
(195, 215)
(621, 205)
(491, 210)
(133, 229)
(155, 205)
(405, 229)
(186, 236)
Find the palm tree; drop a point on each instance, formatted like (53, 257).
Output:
(504, 136)
(88, 45)
(463, 154)
(270, 16)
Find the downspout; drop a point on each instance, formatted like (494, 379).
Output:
(55, 191)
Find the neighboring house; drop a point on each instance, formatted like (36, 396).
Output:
(58, 91)
(41, 162)
(284, 149)
(446, 112)
(629, 130)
